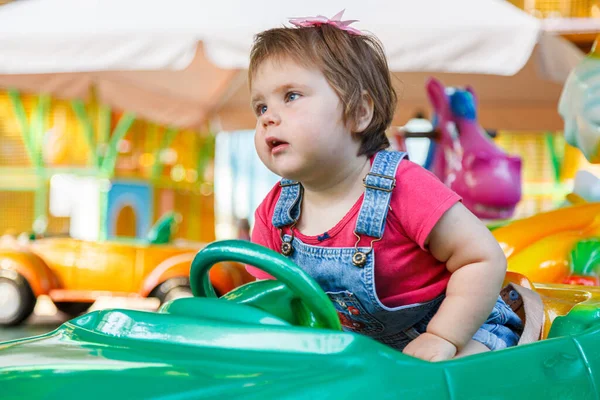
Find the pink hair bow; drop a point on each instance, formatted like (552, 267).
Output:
(336, 21)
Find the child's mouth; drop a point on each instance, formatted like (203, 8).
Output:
(276, 145)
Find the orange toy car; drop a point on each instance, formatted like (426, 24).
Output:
(74, 273)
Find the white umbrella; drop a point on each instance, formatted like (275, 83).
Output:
(180, 62)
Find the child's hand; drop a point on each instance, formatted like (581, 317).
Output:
(430, 347)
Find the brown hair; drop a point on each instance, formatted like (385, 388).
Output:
(350, 63)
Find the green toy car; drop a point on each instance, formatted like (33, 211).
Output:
(280, 339)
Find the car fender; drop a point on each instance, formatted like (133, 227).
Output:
(40, 277)
(173, 267)
(224, 276)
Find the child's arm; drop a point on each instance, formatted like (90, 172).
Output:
(478, 267)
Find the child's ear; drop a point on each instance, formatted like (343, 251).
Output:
(364, 113)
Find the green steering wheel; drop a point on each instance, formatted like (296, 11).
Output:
(285, 271)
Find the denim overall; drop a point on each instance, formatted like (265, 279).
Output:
(351, 287)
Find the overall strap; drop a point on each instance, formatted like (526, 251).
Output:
(287, 209)
(379, 184)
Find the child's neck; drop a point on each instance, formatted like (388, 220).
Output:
(325, 203)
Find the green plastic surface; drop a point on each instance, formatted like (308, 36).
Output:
(584, 259)
(581, 318)
(206, 348)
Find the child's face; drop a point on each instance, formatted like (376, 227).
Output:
(299, 132)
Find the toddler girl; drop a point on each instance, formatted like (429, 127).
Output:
(401, 258)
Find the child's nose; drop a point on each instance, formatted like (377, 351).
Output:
(270, 117)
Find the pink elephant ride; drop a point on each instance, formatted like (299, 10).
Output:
(467, 160)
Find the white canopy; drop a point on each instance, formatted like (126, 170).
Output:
(180, 62)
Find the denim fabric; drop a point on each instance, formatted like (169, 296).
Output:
(352, 288)
(352, 291)
(502, 328)
(287, 209)
(375, 206)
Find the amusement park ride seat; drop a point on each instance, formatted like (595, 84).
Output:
(541, 305)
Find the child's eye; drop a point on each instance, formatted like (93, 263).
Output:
(291, 96)
(261, 109)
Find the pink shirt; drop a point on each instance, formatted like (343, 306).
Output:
(405, 271)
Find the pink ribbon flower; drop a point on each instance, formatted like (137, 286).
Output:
(336, 21)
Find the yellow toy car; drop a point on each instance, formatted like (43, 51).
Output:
(74, 273)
